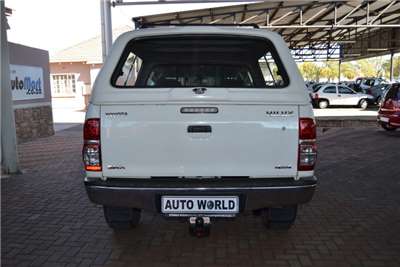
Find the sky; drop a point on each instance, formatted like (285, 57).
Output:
(57, 24)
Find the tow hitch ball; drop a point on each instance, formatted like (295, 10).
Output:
(199, 226)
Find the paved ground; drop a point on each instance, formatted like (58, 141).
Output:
(354, 219)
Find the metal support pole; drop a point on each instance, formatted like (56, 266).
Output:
(106, 29)
(340, 69)
(8, 154)
(391, 66)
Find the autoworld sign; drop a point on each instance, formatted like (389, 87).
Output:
(26, 82)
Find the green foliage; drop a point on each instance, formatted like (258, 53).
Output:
(369, 67)
(372, 67)
(348, 70)
(330, 71)
(396, 68)
(310, 71)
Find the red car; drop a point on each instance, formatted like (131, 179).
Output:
(389, 112)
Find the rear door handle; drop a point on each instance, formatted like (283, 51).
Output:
(199, 129)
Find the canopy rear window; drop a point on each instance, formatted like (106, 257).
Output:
(184, 75)
(200, 60)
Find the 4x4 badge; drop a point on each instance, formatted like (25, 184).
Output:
(280, 113)
(199, 91)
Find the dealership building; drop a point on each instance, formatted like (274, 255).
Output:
(73, 71)
(31, 94)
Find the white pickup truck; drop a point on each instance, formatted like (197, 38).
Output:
(199, 122)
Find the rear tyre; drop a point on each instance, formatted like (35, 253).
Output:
(121, 218)
(387, 127)
(363, 104)
(279, 218)
(323, 104)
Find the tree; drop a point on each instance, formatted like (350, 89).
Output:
(348, 70)
(310, 71)
(330, 71)
(396, 68)
(367, 68)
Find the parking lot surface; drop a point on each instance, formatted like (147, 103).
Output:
(353, 220)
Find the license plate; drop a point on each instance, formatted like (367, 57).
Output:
(384, 119)
(199, 204)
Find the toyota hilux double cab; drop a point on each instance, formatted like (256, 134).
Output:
(199, 122)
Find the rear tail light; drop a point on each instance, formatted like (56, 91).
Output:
(316, 96)
(388, 104)
(307, 144)
(91, 152)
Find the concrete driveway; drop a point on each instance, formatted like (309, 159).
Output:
(353, 220)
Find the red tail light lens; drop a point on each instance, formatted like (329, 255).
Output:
(307, 145)
(388, 104)
(307, 129)
(91, 151)
(91, 129)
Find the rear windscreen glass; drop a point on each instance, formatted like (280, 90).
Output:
(173, 75)
(394, 92)
(200, 60)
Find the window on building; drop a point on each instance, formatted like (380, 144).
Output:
(63, 84)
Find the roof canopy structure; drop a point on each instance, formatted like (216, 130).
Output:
(314, 30)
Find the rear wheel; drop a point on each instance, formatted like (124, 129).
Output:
(363, 104)
(387, 127)
(279, 218)
(323, 104)
(120, 218)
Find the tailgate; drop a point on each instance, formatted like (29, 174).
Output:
(143, 140)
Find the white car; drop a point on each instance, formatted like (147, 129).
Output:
(327, 95)
(199, 122)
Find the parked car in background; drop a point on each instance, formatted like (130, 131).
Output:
(315, 86)
(364, 83)
(339, 95)
(309, 84)
(350, 84)
(377, 92)
(389, 112)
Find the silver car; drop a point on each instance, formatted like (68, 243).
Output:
(339, 95)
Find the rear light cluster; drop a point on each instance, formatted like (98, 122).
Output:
(390, 105)
(307, 144)
(91, 147)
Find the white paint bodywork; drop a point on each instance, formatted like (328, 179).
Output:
(149, 136)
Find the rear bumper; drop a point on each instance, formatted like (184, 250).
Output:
(390, 119)
(254, 193)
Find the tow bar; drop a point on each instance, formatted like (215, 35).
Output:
(199, 226)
